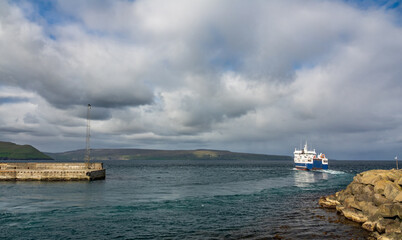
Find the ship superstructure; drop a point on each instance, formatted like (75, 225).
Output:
(308, 160)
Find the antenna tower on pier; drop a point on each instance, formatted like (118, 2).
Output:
(88, 147)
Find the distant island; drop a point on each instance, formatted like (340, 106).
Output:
(149, 154)
(12, 151)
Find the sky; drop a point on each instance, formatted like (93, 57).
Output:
(246, 76)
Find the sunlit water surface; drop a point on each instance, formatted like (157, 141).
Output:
(184, 200)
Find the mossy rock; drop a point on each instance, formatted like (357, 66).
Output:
(379, 186)
(398, 197)
(392, 190)
(369, 226)
(387, 210)
(354, 215)
(380, 199)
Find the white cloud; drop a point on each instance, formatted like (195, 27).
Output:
(252, 76)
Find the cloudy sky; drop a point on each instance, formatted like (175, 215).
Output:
(249, 76)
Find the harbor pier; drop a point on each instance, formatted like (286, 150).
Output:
(51, 171)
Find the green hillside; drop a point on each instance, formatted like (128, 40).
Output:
(148, 154)
(12, 151)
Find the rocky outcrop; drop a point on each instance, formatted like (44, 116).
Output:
(374, 199)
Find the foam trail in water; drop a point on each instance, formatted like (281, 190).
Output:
(324, 171)
(332, 171)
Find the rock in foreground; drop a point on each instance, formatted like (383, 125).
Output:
(374, 199)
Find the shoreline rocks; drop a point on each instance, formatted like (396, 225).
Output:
(374, 199)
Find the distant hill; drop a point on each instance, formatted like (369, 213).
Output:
(12, 151)
(148, 154)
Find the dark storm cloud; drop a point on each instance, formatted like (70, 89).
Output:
(12, 130)
(66, 73)
(96, 112)
(30, 119)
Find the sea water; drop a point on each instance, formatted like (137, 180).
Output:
(184, 200)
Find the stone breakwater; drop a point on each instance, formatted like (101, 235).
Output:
(374, 199)
(51, 171)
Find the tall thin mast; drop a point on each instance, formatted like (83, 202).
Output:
(88, 147)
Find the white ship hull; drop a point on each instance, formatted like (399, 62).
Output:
(305, 159)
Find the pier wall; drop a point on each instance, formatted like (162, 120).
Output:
(51, 171)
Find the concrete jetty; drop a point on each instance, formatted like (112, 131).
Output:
(51, 171)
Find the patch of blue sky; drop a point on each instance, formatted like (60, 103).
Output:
(391, 6)
(394, 6)
(302, 65)
(221, 55)
(11, 100)
(226, 64)
(45, 13)
(222, 59)
(41, 11)
(48, 13)
(47, 10)
(388, 4)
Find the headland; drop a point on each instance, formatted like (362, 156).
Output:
(374, 199)
(12, 151)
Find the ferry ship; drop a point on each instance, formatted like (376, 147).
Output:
(308, 160)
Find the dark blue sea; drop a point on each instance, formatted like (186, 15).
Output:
(184, 200)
